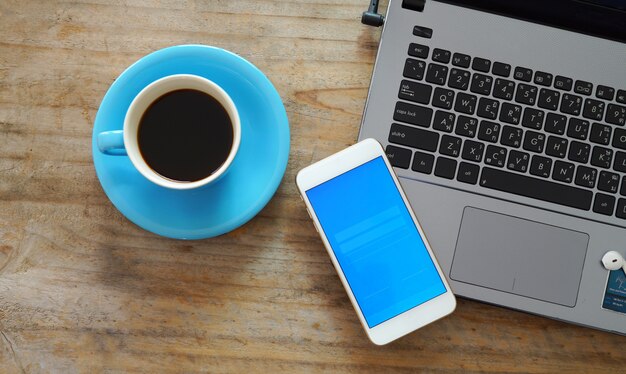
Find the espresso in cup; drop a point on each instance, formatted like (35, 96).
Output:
(202, 140)
(181, 132)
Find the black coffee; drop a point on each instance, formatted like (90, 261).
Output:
(185, 135)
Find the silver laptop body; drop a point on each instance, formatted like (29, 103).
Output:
(503, 234)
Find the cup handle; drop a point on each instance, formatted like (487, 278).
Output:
(112, 143)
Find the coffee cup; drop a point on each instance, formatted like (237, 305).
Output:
(180, 132)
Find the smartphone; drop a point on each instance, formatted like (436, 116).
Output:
(375, 242)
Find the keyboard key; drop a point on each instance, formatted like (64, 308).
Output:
(621, 96)
(422, 32)
(413, 137)
(535, 188)
(465, 103)
(533, 118)
(600, 133)
(605, 92)
(413, 114)
(473, 151)
(511, 136)
(548, 99)
(441, 55)
(619, 139)
(416, 92)
(584, 88)
(466, 126)
(468, 173)
(436, 74)
(459, 79)
(616, 114)
(444, 121)
(577, 128)
(534, 141)
(450, 146)
(555, 123)
(571, 104)
(445, 168)
(518, 161)
(489, 131)
(544, 79)
(503, 70)
(504, 89)
(541, 166)
(563, 83)
(488, 108)
(556, 146)
(423, 162)
(526, 94)
(620, 162)
(586, 177)
(418, 50)
(579, 152)
(593, 109)
(414, 69)
(461, 60)
(523, 74)
(623, 190)
(443, 98)
(608, 182)
(495, 156)
(563, 171)
(398, 157)
(604, 204)
(481, 84)
(602, 157)
(511, 113)
(621, 209)
(481, 64)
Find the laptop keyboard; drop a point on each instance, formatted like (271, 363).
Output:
(512, 129)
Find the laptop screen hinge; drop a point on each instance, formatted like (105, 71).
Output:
(416, 5)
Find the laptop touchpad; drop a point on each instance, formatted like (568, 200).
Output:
(519, 256)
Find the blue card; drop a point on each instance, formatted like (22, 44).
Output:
(615, 295)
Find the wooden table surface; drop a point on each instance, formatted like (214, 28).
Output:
(82, 289)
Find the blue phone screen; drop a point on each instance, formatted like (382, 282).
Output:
(375, 241)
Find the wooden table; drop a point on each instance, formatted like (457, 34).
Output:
(84, 290)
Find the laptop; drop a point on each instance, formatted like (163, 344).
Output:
(506, 123)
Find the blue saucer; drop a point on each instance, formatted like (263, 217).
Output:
(252, 178)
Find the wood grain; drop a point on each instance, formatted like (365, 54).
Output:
(84, 290)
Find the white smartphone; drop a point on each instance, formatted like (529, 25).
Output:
(375, 242)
